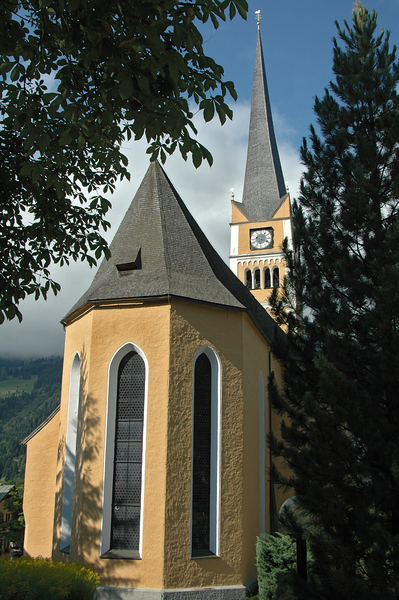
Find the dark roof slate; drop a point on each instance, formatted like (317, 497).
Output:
(176, 257)
(264, 184)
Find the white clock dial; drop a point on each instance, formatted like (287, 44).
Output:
(261, 238)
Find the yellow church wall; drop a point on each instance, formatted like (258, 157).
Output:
(169, 335)
(256, 361)
(39, 489)
(236, 215)
(192, 327)
(77, 340)
(148, 328)
(243, 353)
(284, 210)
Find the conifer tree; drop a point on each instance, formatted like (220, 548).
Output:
(340, 305)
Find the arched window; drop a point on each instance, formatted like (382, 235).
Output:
(266, 277)
(257, 279)
(248, 279)
(276, 277)
(205, 456)
(70, 455)
(262, 451)
(124, 459)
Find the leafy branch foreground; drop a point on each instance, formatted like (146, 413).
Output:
(77, 78)
(35, 579)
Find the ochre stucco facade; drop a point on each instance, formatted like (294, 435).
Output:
(169, 334)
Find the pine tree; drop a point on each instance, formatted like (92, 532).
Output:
(340, 305)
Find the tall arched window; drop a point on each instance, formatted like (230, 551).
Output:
(266, 277)
(124, 456)
(70, 455)
(257, 279)
(262, 450)
(248, 279)
(205, 455)
(276, 277)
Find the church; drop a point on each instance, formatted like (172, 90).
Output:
(154, 468)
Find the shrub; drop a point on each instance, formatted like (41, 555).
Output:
(36, 579)
(274, 554)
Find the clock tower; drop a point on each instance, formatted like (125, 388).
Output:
(262, 220)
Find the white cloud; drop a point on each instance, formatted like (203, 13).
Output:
(205, 191)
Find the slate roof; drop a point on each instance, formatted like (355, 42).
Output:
(165, 253)
(264, 185)
(4, 489)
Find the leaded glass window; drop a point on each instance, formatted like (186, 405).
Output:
(202, 458)
(126, 496)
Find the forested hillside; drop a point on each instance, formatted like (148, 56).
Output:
(29, 392)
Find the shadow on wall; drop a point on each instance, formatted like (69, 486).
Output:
(86, 492)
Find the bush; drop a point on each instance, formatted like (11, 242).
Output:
(274, 555)
(36, 579)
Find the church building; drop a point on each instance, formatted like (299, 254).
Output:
(154, 468)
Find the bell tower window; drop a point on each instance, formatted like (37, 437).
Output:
(266, 278)
(248, 279)
(276, 277)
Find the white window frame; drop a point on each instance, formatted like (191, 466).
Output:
(216, 395)
(70, 454)
(109, 451)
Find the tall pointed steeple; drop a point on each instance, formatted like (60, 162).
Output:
(264, 186)
(261, 222)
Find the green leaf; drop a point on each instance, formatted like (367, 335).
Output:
(65, 138)
(26, 169)
(81, 142)
(126, 88)
(209, 110)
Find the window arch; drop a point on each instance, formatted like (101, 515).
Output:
(257, 279)
(205, 455)
(248, 278)
(276, 277)
(122, 513)
(266, 277)
(70, 455)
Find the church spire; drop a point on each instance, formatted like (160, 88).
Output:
(264, 186)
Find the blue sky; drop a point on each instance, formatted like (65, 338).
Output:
(297, 44)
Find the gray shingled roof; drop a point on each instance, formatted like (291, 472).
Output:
(176, 259)
(264, 184)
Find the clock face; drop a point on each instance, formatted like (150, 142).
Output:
(261, 238)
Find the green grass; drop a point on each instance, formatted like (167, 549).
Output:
(16, 385)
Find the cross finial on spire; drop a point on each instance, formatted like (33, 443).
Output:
(258, 16)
